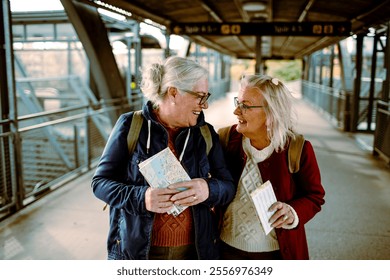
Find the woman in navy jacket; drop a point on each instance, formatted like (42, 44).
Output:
(140, 227)
(257, 152)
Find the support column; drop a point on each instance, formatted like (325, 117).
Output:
(259, 63)
(12, 149)
(93, 35)
(345, 67)
(357, 82)
(386, 84)
(167, 51)
(331, 66)
(371, 96)
(321, 66)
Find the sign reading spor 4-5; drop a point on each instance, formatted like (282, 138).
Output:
(263, 28)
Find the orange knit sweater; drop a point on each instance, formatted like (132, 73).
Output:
(169, 230)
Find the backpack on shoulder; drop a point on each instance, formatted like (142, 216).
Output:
(293, 154)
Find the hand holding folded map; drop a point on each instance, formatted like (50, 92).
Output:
(162, 170)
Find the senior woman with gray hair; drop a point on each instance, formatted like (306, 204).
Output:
(140, 227)
(257, 151)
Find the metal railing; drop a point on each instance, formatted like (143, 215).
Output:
(54, 147)
(382, 130)
(333, 102)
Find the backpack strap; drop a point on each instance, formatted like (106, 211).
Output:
(294, 153)
(294, 149)
(204, 129)
(132, 136)
(135, 128)
(224, 134)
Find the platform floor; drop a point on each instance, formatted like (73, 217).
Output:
(354, 224)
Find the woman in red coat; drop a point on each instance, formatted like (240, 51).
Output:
(257, 152)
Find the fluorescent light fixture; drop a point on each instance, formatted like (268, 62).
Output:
(254, 6)
(260, 15)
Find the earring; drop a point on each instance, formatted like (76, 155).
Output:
(173, 103)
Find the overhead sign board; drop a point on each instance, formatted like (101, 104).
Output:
(263, 28)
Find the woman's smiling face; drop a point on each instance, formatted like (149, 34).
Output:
(251, 121)
(187, 107)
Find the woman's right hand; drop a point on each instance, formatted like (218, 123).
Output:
(158, 200)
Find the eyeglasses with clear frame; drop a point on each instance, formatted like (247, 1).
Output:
(243, 107)
(203, 98)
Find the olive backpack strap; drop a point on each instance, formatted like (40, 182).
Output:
(224, 134)
(204, 129)
(132, 136)
(135, 128)
(294, 153)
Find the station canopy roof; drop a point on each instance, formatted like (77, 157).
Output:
(282, 29)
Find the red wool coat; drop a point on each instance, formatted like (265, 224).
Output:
(303, 190)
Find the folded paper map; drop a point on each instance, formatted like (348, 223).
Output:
(162, 170)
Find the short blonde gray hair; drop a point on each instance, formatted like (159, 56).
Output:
(281, 116)
(182, 73)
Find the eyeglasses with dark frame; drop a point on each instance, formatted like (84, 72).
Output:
(203, 98)
(243, 107)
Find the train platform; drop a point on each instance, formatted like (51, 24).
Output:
(354, 224)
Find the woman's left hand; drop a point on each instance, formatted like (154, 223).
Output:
(282, 216)
(193, 192)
